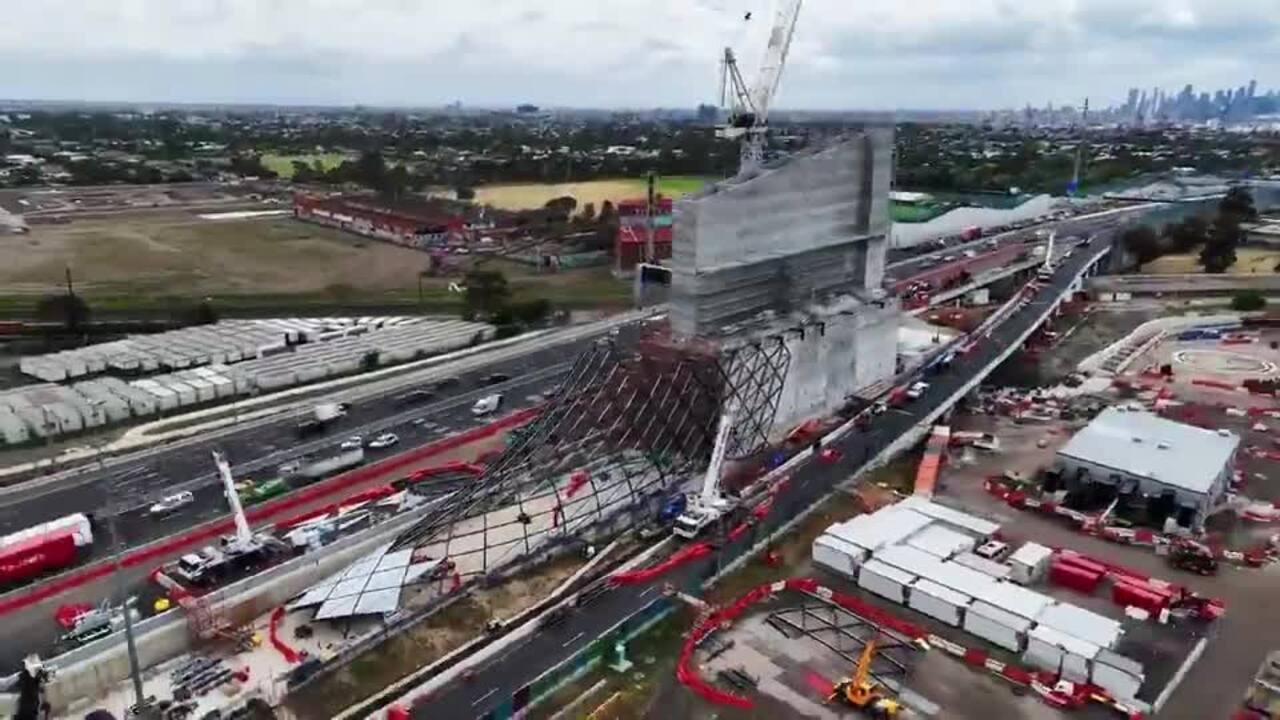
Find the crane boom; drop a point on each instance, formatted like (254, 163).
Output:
(749, 108)
(775, 58)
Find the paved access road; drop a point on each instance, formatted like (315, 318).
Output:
(489, 691)
(133, 483)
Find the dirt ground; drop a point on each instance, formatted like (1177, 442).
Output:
(1248, 261)
(139, 260)
(181, 254)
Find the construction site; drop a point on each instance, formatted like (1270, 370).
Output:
(802, 485)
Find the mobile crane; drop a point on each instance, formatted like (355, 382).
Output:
(863, 693)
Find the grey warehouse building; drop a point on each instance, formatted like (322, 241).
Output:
(1180, 470)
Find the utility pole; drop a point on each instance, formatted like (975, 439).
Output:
(1084, 131)
(141, 708)
(650, 255)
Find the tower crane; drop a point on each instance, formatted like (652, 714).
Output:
(749, 107)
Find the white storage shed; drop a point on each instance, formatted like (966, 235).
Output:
(1056, 651)
(1018, 600)
(990, 568)
(979, 527)
(1029, 563)
(1000, 628)
(1117, 674)
(936, 601)
(838, 555)
(886, 581)
(1084, 624)
(12, 429)
(880, 529)
(941, 541)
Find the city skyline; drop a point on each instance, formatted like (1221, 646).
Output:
(875, 55)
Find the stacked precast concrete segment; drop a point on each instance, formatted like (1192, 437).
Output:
(796, 251)
(225, 360)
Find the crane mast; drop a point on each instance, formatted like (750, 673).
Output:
(749, 108)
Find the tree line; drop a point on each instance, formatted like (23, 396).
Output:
(1217, 238)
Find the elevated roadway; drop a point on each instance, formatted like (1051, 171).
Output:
(500, 687)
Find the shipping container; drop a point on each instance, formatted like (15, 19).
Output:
(1029, 563)
(938, 602)
(880, 529)
(1074, 577)
(1058, 652)
(1000, 628)
(1133, 595)
(888, 582)
(838, 556)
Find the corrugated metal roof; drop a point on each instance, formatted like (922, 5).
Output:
(1017, 599)
(836, 543)
(1030, 554)
(941, 592)
(881, 528)
(1008, 619)
(987, 567)
(1080, 623)
(950, 516)
(1073, 645)
(1142, 444)
(941, 541)
(888, 571)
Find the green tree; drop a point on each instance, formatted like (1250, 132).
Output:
(1248, 301)
(465, 192)
(1238, 203)
(588, 214)
(607, 227)
(487, 293)
(1143, 243)
(562, 206)
(531, 311)
(1219, 251)
(70, 310)
(1187, 235)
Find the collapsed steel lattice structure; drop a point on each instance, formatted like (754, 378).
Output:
(625, 429)
(630, 424)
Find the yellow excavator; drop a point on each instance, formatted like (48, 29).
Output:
(863, 693)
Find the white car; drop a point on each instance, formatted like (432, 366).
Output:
(385, 440)
(355, 442)
(487, 404)
(916, 390)
(170, 503)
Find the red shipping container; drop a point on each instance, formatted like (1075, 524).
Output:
(27, 559)
(1128, 594)
(1076, 578)
(1082, 562)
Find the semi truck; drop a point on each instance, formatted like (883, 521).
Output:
(314, 469)
(322, 416)
(51, 545)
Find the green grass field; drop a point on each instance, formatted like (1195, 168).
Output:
(283, 164)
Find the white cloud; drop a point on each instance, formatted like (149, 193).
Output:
(863, 53)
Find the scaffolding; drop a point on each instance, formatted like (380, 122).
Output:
(845, 633)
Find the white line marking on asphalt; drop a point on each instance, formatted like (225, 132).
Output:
(484, 697)
(648, 590)
(572, 640)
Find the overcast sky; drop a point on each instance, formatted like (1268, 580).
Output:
(848, 54)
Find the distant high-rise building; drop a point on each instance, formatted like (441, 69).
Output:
(1253, 89)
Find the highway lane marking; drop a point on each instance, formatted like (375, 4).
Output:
(572, 640)
(648, 590)
(452, 404)
(484, 697)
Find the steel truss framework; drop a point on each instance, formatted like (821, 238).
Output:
(845, 634)
(623, 430)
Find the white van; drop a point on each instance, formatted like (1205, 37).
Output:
(487, 404)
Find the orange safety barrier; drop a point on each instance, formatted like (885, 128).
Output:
(264, 511)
